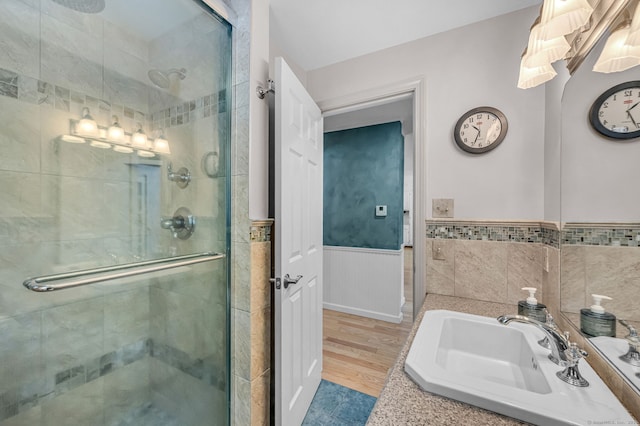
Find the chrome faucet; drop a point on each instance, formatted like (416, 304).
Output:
(557, 342)
(632, 356)
(563, 352)
(552, 324)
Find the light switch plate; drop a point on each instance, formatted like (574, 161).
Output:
(442, 207)
(437, 250)
(381, 211)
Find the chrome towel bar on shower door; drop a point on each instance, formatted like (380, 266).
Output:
(90, 276)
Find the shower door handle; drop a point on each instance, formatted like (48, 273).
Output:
(287, 280)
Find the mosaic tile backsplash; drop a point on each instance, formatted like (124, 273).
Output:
(616, 235)
(541, 233)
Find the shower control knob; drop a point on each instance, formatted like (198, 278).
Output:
(181, 225)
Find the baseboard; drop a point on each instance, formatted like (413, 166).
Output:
(363, 313)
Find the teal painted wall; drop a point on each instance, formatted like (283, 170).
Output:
(364, 167)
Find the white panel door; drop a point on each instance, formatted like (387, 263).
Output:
(298, 241)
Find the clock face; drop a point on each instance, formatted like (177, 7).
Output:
(616, 113)
(480, 130)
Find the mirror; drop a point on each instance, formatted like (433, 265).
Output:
(600, 212)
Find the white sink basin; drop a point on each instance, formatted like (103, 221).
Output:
(501, 368)
(612, 348)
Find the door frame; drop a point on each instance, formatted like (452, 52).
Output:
(371, 97)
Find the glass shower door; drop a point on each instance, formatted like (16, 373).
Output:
(114, 209)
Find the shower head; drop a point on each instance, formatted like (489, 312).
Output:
(84, 6)
(161, 78)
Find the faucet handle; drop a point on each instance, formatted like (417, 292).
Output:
(571, 374)
(632, 330)
(549, 319)
(574, 353)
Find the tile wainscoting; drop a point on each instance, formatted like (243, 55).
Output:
(252, 319)
(491, 260)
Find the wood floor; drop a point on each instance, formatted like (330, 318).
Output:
(357, 351)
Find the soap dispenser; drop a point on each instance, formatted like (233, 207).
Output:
(595, 321)
(531, 308)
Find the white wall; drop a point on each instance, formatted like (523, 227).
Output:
(599, 176)
(259, 112)
(552, 142)
(464, 68)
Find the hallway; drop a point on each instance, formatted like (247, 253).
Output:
(357, 351)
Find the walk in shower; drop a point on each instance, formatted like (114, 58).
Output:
(114, 213)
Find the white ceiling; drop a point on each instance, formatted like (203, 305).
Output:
(315, 33)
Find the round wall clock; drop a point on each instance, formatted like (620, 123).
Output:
(480, 129)
(616, 113)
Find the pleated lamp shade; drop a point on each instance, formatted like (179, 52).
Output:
(617, 55)
(541, 52)
(532, 77)
(562, 17)
(634, 32)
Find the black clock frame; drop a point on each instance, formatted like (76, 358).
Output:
(482, 109)
(595, 109)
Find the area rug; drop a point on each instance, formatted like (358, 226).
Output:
(335, 405)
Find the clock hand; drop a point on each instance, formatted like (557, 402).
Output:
(477, 135)
(633, 106)
(631, 117)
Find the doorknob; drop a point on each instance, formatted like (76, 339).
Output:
(287, 280)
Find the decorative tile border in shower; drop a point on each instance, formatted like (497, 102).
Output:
(34, 91)
(261, 231)
(29, 395)
(601, 234)
(520, 232)
(193, 110)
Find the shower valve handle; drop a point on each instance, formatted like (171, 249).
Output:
(181, 225)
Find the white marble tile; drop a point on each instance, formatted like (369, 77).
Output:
(614, 272)
(19, 135)
(126, 318)
(481, 270)
(72, 334)
(122, 89)
(126, 389)
(573, 278)
(32, 417)
(71, 58)
(21, 351)
(440, 273)
(83, 405)
(89, 23)
(119, 38)
(20, 196)
(20, 38)
(524, 269)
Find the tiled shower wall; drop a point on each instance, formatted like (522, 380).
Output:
(101, 353)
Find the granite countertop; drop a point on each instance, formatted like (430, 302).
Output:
(402, 402)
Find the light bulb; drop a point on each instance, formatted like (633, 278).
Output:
(139, 138)
(161, 145)
(87, 126)
(115, 133)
